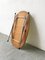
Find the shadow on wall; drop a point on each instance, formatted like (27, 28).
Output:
(33, 36)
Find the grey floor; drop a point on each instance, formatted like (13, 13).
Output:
(8, 52)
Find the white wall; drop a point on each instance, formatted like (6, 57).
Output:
(36, 8)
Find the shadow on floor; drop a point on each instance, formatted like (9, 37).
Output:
(28, 47)
(33, 49)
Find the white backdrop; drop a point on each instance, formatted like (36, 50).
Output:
(37, 11)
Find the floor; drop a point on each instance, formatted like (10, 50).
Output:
(8, 52)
